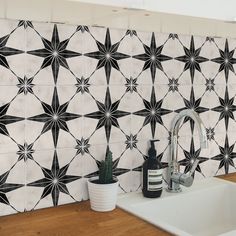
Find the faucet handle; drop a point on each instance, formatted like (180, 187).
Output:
(185, 179)
(194, 166)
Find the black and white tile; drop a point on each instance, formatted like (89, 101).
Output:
(68, 92)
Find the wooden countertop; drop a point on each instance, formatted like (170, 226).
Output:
(78, 220)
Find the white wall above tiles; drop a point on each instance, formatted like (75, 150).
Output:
(90, 14)
(210, 9)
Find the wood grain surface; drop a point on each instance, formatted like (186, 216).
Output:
(78, 220)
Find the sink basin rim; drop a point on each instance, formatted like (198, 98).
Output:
(130, 201)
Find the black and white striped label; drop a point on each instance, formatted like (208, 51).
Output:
(154, 181)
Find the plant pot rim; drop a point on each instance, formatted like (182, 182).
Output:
(96, 178)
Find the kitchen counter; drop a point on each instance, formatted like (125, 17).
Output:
(77, 219)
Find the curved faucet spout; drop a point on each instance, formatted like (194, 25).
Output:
(195, 117)
(174, 177)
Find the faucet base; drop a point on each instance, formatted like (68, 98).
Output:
(175, 190)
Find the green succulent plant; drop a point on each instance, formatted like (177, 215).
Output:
(105, 170)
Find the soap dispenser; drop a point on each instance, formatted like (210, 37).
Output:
(152, 174)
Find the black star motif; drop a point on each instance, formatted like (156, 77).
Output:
(25, 152)
(210, 85)
(55, 53)
(6, 119)
(194, 105)
(25, 85)
(226, 60)
(82, 28)
(107, 55)
(131, 141)
(152, 112)
(54, 180)
(210, 39)
(226, 156)
(6, 51)
(6, 187)
(25, 24)
(190, 158)
(152, 57)
(131, 33)
(82, 85)
(82, 146)
(107, 114)
(131, 85)
(55, 117)
(173, 84)
(210, 132)
(226, 108)
(192, 59)
(173, 36)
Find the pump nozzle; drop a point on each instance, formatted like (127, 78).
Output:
(152, 150)
(152, 142)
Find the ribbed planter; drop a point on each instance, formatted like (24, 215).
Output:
(102, 197)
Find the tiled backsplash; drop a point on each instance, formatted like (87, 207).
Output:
(66, 92)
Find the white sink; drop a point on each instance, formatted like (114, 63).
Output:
(207, 208)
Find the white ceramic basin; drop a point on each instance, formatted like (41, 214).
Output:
(205, 209)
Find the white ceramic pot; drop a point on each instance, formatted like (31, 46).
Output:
(102, 197)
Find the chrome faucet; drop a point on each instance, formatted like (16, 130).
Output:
(174, 177)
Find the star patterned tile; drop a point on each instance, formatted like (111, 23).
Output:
(70, 92)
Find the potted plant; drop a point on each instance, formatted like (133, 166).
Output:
(103, 188)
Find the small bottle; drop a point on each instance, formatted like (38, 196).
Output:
(152, 174)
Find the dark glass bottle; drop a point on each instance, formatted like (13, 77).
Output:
(152, 174)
